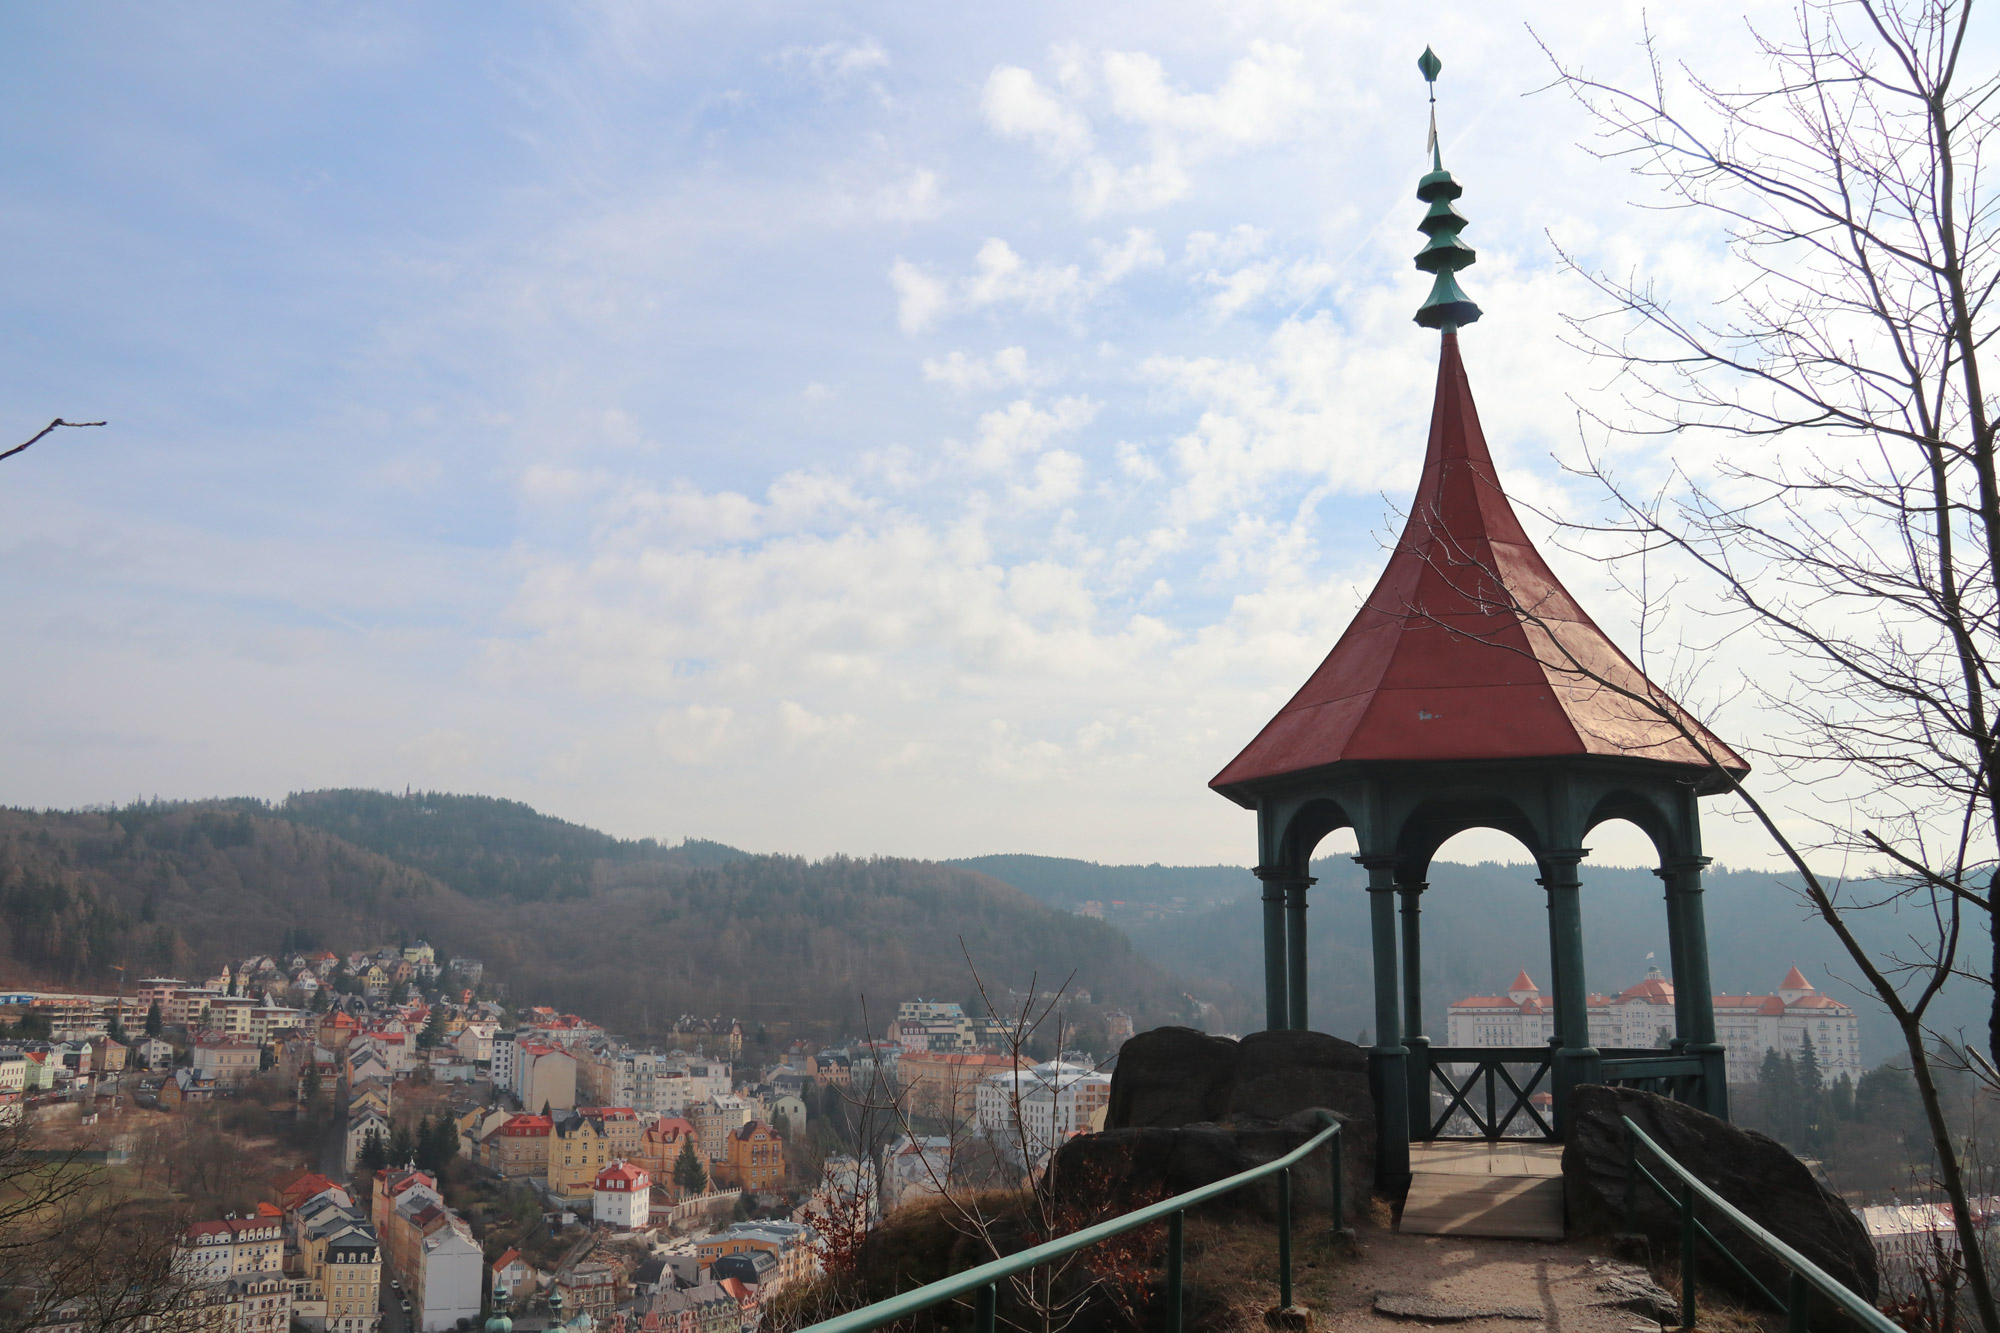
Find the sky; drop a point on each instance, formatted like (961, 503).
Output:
(919, 430)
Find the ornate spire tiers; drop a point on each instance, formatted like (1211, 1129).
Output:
(1446, 308)
(1472, 690)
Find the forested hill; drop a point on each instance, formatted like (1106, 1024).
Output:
(631, 934)
(485, 847)
(1066, 883)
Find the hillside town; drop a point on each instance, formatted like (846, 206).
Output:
(665, 1186)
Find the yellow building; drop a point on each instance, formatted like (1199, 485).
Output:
(578, 1149)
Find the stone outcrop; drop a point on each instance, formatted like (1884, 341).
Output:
(1754, 1173)
(1188, 1109)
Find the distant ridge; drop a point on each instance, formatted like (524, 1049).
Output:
(1068, 883)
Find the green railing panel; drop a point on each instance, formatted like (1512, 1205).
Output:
(1805, 1275)
(983, 1281)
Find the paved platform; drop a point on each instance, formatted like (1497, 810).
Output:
(1512, 1188)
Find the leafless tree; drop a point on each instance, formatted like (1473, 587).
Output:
(1850, 516)
(76, 1250)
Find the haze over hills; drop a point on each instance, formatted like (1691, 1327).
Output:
(630, 933)
(1483, 922)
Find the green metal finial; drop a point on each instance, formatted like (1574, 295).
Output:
(1447, 308)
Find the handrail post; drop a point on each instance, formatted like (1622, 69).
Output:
(1334, 1149)
(1174, 1237)
(1631, 1182)
(1687, 1257)
(986, 1308)
(1285, 1239)
(1795, 1304)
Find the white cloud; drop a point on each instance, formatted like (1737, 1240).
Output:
(837, 62)
(1264, 99)
(918, 197)
(1005, 368)
(1022, 428)
(1018, 107)
(1001, 279)
(920, 298)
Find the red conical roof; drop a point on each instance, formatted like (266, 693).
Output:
(1795, 980)
(1468, 648)
(1522, 983)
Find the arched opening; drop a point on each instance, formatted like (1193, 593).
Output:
(1487, 985)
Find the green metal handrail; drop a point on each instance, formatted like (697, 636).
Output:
(983, 1282)
(1805, 1275)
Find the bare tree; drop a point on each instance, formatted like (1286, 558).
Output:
(74, 1249)
(1853, 520)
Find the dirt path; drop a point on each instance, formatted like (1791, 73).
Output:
(1400, 1284)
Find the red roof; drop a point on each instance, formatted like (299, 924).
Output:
(1442, 661)
(1795, 980)
(623, 1176)
(1523, 982)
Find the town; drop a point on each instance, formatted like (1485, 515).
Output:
(464, 1150)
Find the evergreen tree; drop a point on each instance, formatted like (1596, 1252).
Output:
(402, 1147)
(1812, 1099)
(374, 1156)
(309, 1086)
(154, 1020)
(426, 1147)
(433, 1033)
(690, 1173)
(1840, 1097)
(447, 1141)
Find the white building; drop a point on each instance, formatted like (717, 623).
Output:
(622, 1196)
(1913, 1244)
(502, 1055)
(1642, 1016)
(1042, 1105)
(914, 1169)
(452, 1278)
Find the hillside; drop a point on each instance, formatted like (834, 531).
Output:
(485, 847)
(631, 934)
(1066, 883)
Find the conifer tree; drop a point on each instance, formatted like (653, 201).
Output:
(154, 1020)
(373, 1155)
(309, 1086)
(690, 1174)
(402, 1146)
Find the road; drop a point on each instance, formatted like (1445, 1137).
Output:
(333, 1148)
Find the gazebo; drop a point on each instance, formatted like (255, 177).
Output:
(1472, 691)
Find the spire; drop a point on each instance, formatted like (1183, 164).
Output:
(1447, 308)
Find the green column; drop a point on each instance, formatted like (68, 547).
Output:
(1676, 960)
(1414, 1040)
(1575, 1058)
(1277, 996)
(1295, 949)
(1387, 1061)
(1686, 918)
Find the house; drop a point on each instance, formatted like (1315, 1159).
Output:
(544, 1075)
(224, 1059)
(334, 1263)
(474, 1125)
(515, 1275)
(753, 1158)
(153, 1053)
(578, 1150)
(186, 1088)
(359, 1127)
(232, 1247)
(622, 1196)
(706, 1307)
(915, 1168)
(713, 1121)
(590, 1287)
(429, 1248)
(660, 1147)
(108, 1056)
(519, 1147)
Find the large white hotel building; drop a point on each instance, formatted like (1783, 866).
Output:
(1643, 1016)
